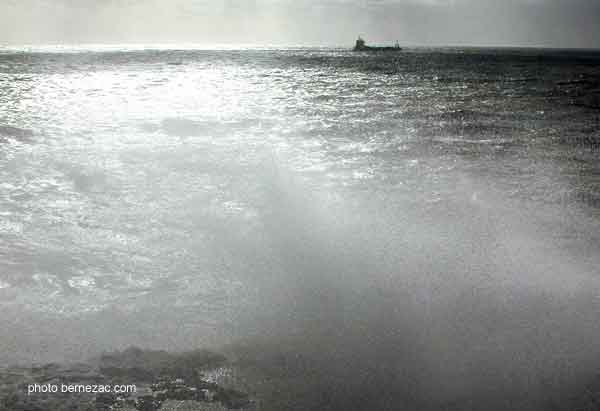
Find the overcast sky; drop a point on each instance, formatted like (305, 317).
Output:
(552, 23)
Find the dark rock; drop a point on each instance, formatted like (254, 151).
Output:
(232, 399)
(133, 374)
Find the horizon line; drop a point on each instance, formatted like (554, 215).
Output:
(172, 45)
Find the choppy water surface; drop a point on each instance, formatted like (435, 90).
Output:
(448, 199)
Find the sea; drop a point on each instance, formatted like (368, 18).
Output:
(402, 230)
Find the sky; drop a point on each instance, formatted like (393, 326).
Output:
(546, 23)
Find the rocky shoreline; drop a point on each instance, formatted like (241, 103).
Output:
(133, 379)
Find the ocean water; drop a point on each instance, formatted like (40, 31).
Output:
(422, 225)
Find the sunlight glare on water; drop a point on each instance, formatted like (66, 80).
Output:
(184, 196)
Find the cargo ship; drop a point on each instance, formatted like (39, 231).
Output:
(361, 45)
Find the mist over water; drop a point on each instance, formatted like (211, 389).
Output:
(415, 231)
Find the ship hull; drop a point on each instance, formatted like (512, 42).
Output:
(368, 48)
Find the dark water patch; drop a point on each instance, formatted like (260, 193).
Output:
(591, 142)
(581, 394)
(18, 79)
(481, 80)
(484, 131)
(576, 82)
(521, 80)
(149, 127)
(461, 114)
(89, 180)
(182, 127)
(583, 91)
(15, 133)
(590, 100)
(476, 125)
(584, 196)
